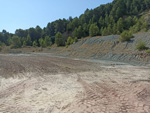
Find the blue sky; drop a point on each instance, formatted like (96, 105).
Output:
(24, 14)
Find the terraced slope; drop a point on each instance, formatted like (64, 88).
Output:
(108, 48)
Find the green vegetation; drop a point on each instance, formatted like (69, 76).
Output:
(78, 32)
(42, 42)
(111, 18)
(148, 51)
(94, 30)
(141, 46)
(35, 44)
(28, 41)
(59, 39)
(75, 39)
(1, 44)
(15, 42)
(69, 41)
(47, 41)
(126, 36)
(139, 26)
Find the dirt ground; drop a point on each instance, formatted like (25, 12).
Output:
(42, 83)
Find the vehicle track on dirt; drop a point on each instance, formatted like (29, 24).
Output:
(107, 97)
(47, 84)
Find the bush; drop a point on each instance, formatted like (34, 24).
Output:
(67, 46)
(15, 42)
(35, 44)
(75, 39)
(69, 41)
(148, 51)
(141, 46)
(42, 42)
(126, 36)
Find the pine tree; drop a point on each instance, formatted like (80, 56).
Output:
(69, 41)
(59, 39)
(47, 41)
(114, 29)
(42, 42)
(104, 32)
(109, 30)
(94, 30)
(28, 41)
(101, 22)
(35, 44)
(120, 25)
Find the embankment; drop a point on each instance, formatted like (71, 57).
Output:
(108, 48)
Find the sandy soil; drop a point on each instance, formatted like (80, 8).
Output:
(40, 83)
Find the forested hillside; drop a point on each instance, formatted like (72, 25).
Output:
(111, 18)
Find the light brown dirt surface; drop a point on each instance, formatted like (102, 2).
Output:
(41, 83)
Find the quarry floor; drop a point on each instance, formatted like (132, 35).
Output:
(42, 83)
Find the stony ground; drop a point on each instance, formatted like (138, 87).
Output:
(108, 48)
(41, 83)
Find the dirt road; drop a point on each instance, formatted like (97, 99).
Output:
(41, 83)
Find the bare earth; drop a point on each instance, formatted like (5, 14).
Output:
(41, 83)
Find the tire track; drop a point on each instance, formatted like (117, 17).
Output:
(111, 98)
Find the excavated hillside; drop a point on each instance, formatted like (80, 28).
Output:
(46, 83)
(108, 48)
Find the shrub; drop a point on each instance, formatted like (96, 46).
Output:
(69, 41)
(148, 51)
(141, 46)
(34, 44)
(75, 39)
(126, 36)
(67, 46)
(15, 42)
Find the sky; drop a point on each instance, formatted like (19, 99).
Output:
(16, 14)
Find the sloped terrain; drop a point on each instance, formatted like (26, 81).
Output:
(108, 48)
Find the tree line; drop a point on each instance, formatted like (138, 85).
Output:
(111, 18)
